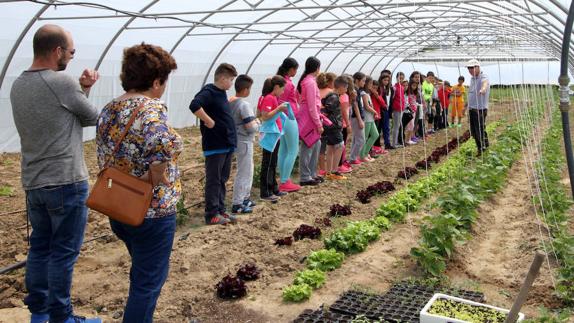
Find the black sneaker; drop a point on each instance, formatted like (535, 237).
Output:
(249, 203)
(319, 179)
(216, 219)
(271, 198)
(309, 183)
(232, 218)
(240, 208)
(280, 193)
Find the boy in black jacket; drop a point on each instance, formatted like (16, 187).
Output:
(218, 141)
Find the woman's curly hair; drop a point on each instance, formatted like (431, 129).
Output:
(144, 63)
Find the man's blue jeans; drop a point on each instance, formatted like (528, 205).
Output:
(58, 215)
(149, 246)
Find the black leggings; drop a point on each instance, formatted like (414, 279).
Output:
(379, 126)
(345, 134)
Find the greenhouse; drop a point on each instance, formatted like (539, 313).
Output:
(286, 161)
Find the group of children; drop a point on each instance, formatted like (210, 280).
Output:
(312, 121)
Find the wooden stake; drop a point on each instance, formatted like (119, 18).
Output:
(521, 298)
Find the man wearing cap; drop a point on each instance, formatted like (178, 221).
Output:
(477, 104)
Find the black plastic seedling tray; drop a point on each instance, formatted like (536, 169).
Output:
(320, 316)
(402, 303)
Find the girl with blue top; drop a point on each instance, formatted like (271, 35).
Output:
(271, 131)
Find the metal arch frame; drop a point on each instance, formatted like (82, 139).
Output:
(369, 58)
(271, 9)
(178, 42)
(233, 38)
(559, 32)
(514, 19)
(551, 28)
(481, 19)
(119, 32)
(262, 49)
(343, 50)
(342, 34)
(555, 32)
(357, 54)
(302, 42)
(19, 40)
(544, 47)
(373, 30)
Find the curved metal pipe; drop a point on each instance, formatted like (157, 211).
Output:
(19, 40)
(564, 81)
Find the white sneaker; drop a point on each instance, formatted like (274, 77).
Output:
(410, 142)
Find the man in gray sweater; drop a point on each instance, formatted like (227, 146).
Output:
(50, 110)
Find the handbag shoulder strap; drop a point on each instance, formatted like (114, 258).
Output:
(125, 132)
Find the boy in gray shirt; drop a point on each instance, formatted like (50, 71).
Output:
(247, 125)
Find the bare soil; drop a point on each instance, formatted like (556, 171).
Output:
(495, 259)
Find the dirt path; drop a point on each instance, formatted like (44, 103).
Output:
(203, 255)
(505, 239)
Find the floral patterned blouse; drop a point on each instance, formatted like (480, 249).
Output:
(149, 139)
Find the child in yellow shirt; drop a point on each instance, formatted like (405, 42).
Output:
(457, 105)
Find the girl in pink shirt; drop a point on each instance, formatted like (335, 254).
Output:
(310, 126)
(289, 147)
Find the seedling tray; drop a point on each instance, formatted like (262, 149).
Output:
(320, 316)
(402, 303)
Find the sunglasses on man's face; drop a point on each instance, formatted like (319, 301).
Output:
(470, 67)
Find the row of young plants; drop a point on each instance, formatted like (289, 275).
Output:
(356, 235)
(413, 194)
(554, 203)
(383, 187)
(461, 196)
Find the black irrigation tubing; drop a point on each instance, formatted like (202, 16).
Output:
(21, 264)
(564, 81)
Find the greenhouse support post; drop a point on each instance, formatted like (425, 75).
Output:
(564, 82)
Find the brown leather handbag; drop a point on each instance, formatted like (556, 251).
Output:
(119, 195)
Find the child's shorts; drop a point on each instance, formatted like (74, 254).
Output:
(332, 137)
(339, 145)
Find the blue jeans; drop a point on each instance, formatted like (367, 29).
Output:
(386, 121)
(149, 245)
(58, 215)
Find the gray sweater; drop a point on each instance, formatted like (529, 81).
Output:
(242, 115)
(50, 110)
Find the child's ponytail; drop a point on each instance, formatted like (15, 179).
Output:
(287, 64)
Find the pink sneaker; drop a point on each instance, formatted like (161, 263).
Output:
(356, 162)
(367, 159)
(322, 172)
(344, 169)
(347, 164)
(289, 186)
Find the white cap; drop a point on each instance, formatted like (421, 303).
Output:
(472, 63)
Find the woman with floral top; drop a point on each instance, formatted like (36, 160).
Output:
(150, 146)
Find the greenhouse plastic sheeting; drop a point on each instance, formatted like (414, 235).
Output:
(519, 41)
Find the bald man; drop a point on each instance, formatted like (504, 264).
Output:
(50, 110)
